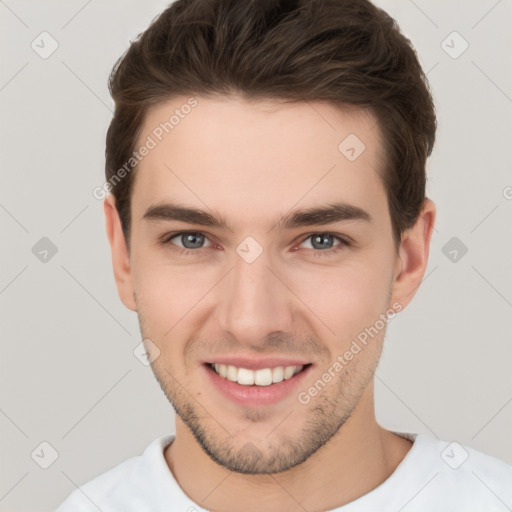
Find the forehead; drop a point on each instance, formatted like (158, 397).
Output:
(257, 158)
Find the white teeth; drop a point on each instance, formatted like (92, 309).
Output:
(223, 372)
(288, 372)
(232, 373)
(245, 377)
(262, 377)
(277, 374)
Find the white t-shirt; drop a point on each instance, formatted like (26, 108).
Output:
(434, 476)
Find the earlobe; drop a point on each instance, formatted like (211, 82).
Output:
(413, 255)
(120, 254)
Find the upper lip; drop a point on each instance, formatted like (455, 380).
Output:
(257, 364)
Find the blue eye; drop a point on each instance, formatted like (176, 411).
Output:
(325, 244)
(323, 241)
(189, 240)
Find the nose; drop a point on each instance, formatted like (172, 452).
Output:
(254, 302)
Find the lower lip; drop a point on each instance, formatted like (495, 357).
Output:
(248, 396)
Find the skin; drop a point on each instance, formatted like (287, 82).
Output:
(252, 162)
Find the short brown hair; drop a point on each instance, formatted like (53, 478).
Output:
(346, 52)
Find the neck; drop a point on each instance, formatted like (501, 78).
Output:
(353, 462)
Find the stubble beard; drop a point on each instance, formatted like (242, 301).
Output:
(322, 419)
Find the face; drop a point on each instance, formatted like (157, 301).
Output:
(259, 253)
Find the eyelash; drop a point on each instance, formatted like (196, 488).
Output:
(343, 242)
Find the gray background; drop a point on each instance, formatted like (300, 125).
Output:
(68, 373)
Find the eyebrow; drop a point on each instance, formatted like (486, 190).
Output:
(316, 216)
(164, 212)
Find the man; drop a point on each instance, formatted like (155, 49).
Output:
(268, 219)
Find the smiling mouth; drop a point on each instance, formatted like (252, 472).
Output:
(261, 377)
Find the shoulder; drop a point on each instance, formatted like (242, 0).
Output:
(124, 487)
(456, 475)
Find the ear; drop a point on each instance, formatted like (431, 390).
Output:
(120, 254)
(413, 255)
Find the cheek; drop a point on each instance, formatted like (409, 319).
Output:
(167, 295)
(341, 298)
(347, 298)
